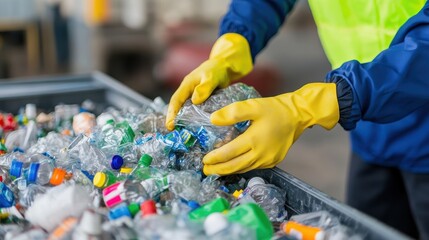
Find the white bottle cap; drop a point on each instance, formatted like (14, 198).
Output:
(254, 181)
(90, 223)
(215, 223)
(30, 111)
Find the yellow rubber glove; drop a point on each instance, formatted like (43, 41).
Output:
(230, 59)
(276, 123)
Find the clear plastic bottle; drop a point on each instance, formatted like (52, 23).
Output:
(155, 186)
(271, 198)
(71, 175)
(143, 170)
(41, 170)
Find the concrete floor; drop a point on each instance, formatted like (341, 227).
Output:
(319, 157)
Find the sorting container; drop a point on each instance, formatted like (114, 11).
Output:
(47, 92)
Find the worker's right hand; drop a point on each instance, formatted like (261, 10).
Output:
(230, 59)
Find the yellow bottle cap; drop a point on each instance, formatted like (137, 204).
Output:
(99, 179)
(237, 193)
(126, 170)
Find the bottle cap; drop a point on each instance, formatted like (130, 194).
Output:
(100, 179)
(30, 111)
(193, 205)
(223, 188)
(110, 121)
(7, 199)
(148, 208)
(15, 168)
(134, 208)
(112, 195)
(32, 172)
(58, 176)
(117, 162)
(126, 170)
(119, 211)
(254, 181)
(215, 223)
(237, 193)
(145, 160)
(90, 223)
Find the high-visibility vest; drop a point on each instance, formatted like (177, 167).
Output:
(359, 29)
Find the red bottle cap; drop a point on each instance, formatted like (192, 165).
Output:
(148, 208)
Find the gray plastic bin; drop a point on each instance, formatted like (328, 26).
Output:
(301, 197)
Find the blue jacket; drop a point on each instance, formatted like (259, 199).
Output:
(385, 103)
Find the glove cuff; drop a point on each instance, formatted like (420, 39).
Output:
(318, 104)
(234, 50)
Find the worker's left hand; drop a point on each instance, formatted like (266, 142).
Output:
(276, 123)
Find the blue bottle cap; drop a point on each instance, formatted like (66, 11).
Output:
(119, 211)
(17, 149)
(223, 188)
(15, 168)
(6, 196)
(32, 172)
(117, 162)
(193, 205)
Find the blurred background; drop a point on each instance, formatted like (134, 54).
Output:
(150, 45)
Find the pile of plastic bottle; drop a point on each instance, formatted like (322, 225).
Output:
(72, 174)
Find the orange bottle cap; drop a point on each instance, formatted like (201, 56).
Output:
(57, 176)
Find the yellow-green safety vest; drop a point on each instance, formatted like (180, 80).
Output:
(359, 29)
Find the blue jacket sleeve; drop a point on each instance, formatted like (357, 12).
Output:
(394, 84)
(256, 20)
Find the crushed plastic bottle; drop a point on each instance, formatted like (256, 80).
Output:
(271, 198)
(196, 118)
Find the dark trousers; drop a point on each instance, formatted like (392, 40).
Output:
(399, 199)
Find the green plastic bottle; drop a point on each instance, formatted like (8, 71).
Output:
(217, 205)
(252, 216)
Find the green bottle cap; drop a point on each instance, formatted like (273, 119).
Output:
(134, 208)
(145, 160)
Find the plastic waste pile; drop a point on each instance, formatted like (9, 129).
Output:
(76, 174)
